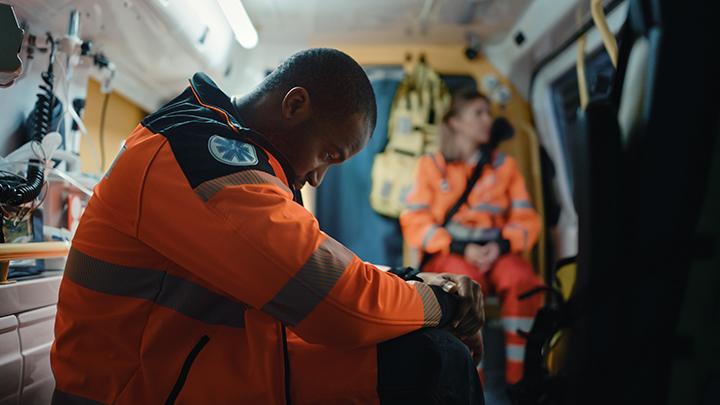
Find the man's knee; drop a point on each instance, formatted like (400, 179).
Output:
(430, 359)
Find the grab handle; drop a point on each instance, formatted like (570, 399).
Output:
(598, 16)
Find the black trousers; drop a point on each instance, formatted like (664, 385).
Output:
(427, 366)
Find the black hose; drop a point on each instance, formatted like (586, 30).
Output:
(30, 189)
(7, 191)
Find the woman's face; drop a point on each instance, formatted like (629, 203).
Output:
(473, 122)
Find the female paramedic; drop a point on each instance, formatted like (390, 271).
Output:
(483, 234)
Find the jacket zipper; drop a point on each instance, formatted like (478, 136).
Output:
(186, 369)
(287, 366)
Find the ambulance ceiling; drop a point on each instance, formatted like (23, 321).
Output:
(354, 22)
(155, 43)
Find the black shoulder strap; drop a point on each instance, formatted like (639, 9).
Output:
(484, 159)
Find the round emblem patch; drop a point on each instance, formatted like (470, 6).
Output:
(232, 152)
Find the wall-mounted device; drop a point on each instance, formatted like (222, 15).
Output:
(11, 38)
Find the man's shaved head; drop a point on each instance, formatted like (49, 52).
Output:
(337, 85)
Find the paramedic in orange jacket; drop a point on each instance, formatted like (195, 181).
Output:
(196, 277)
(486, 235)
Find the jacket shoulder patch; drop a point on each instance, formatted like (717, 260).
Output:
(232, 152)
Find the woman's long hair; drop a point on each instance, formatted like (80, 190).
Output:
(460, 100)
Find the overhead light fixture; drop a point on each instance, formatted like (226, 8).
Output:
(239, 22)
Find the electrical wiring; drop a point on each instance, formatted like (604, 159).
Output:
(25, 210)
(19, 217)
(22, 193)
(21, 179)
(35, 204)
(73, 114)
(84, 131)
(72, 181)
(65, 91)
(37, 201)
(60, 173)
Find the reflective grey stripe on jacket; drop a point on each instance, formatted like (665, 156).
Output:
(493, 209)
(429, 236)
(462, 233)
(418, 207)
(167, 290)
(525, 234)
(521, 204)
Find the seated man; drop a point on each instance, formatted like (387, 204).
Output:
(197, 277)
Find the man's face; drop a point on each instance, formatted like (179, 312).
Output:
(316, 144)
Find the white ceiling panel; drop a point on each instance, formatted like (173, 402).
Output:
(156, 50)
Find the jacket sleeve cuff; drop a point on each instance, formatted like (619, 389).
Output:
(406, 273)
(448, 305)
(504, 245)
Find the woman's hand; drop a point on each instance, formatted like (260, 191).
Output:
(483, 257)
(474, 253)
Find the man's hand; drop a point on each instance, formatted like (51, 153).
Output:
(482, 256)
(475, 343)
(448, 285)
(470, 313)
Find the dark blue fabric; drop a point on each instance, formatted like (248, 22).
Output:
(428, 366)
(343, 198)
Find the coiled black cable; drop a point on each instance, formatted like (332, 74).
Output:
(7, 190)
(29, 190)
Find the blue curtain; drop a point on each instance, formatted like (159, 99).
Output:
(342, 201)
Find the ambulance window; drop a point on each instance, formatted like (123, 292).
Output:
(566, 99)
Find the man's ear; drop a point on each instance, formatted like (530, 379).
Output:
(296, 104)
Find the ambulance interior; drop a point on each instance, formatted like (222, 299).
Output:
(614, 106)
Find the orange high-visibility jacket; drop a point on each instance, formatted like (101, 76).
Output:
(498, 207)
(191, 258)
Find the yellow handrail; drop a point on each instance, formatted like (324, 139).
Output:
(598, 16)
(37, 250)
(582, 80)
(580, 65)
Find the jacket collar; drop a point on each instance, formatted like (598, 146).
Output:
(210, 95)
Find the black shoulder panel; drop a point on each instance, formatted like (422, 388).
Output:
(206, 151)
(205, 145)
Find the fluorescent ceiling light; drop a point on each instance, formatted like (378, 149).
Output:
(240, 22)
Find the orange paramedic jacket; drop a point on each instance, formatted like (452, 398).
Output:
(498, 207)
(191, 258)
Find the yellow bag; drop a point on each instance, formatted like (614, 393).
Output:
(393, 175)
(420, 102)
